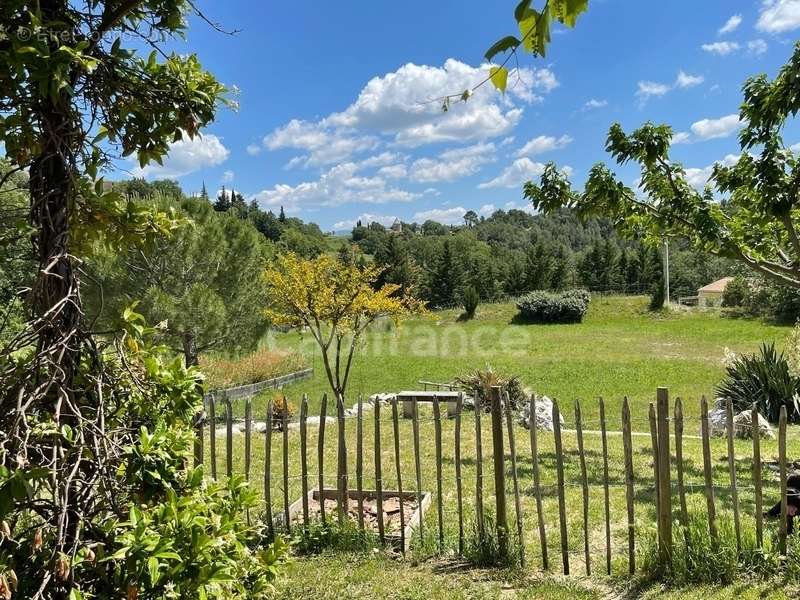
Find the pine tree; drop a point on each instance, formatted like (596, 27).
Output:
(282, 217)
(445, 278)
(238, 205)
(399, 267)
(223, 202)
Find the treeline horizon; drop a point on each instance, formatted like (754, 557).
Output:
(505, 254)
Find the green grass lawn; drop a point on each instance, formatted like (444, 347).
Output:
(620, 349)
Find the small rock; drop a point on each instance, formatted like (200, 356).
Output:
(743, 426)
(260, 427)
(544, 414)
(315, 420)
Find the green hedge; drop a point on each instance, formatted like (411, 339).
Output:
(554, 307)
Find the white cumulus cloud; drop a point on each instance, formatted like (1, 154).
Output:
(698, 177)
(709, 129)
(778, 16)
(253, 149)
(721, 48)
(453, 164)
(542, 144)
(594, 103)
(446, 216)
(342, 184)
(514, 175)
(757, 47)
(684, 80)
(401, 107)
(731, 25)
(187, 156)
(366, 219)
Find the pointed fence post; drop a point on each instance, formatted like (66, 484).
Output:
(360, 460)
(782, 528)
(584, 486)
(267, 471)
(537, 489)
(732, 473)
(512, 449)
(321, 455)
(606, 497)
(628, 450)
(562, 510)
(212, 434)
(707, 469)
(501, 518)
(479, 468)
(664, 477)
(756, 432)
(304, 458)
(459, 493)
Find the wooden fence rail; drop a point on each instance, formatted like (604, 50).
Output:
(574, 467)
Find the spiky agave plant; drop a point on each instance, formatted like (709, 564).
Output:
(763, 378)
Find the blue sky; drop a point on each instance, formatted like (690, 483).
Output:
(335, 120)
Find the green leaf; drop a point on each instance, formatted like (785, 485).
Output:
(152, 567)
(507, 43)
(522, 8)
(527, 27)
(499, 77)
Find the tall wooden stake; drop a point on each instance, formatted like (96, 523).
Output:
(606, 498)
(285, 428)
(437, 435)
(459, 493)
(321, 455)
(379, 473)
(501, 519)
(754, 419)
(512, 449)
(707, 472)
(267, 471)
(562, 510)
(782, 530)
(628, 449)
(732, 474)
(417, 467)
(479, 468)
(212, 434)
(537, 488)
(584, 486)
(396, 427)
(304, 458)
(360, 461)
(664, 477)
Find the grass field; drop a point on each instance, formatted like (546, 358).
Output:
(620, 349)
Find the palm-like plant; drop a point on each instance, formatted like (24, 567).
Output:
(763, 378)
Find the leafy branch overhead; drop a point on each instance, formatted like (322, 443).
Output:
(534, 30)
(748, 210)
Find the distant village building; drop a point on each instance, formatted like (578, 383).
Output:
(711, 294)
(397, 226)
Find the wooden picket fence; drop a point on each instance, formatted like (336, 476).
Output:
(502, 433)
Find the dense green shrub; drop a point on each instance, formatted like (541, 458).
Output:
(736, 292)
(657, 296)
(554, 307)
(765, 379)
(470, 300)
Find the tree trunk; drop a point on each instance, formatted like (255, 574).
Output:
(190, 350)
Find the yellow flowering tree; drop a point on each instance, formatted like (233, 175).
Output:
(336, 302)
